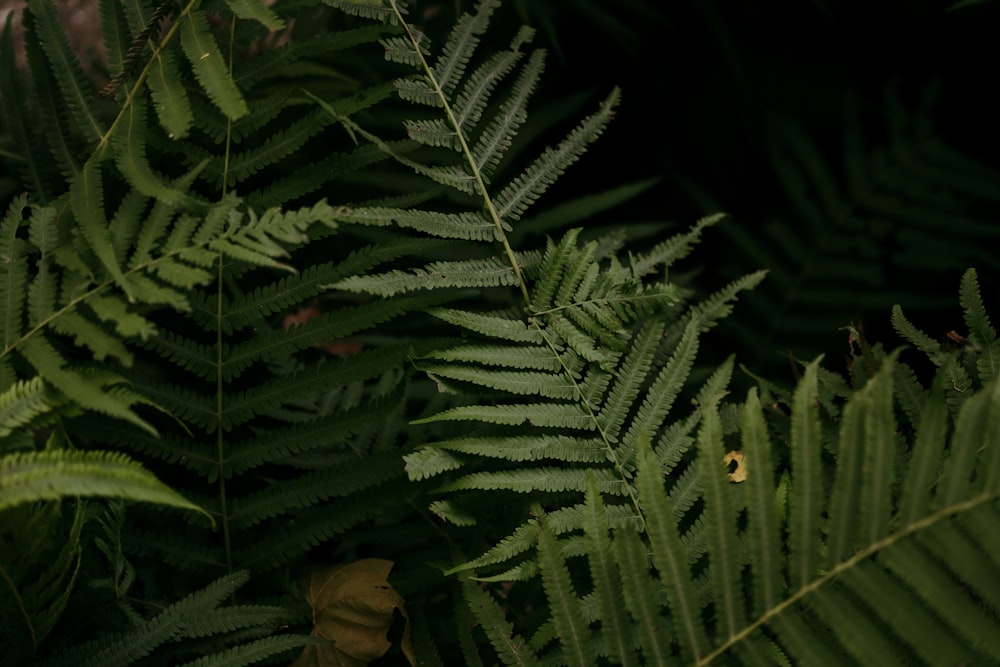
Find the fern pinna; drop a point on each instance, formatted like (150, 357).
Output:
(875, 541)
(156, 231)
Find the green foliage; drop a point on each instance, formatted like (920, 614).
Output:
(908, 204)
(274, 263)
(885, 553)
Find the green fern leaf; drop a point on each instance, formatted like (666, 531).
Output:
(629, 379)
(521, 383)
(763, 523)
(86, 333)
(539, 479)
(495, 140)
(525, 448)
(277, 146)
(805, 502)
(87, 200)
(604, 572)
(570, 625)
(640, 598)
(492, 272)
(87, 393)
(312, 488)
(35, 163)
(914, 336)
(928, 450)
(180, 619)
(252, 652)
(467, 226)
(66, 69)
(130, 154)
(116, 36)
(476, 92)
(209, 66)
(258, 11)
(383, 10)
(511, 648)
(241, 407)
(673, 249)
(39, 572)
(981, 331)
(720, 527)
(23, 402)
(173, 107)
(458, 49)
(899, 607)
(515, 198)
(532, 358)
(876, 499)
(975, 424)
(669, 381)
(62, 144)
(669, 555)
(552, 415)
(52, 475)
(13, 273)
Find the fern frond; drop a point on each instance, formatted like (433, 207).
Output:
(511, 648)
(181, 619)
(669, 555)
(495, 140)
(39, 567)
(490, 272)
(208, 65)
(312, 488)
(87, 201)
(524, 190)
(252, 652)
(279, 145)
(545, 479)
(570, 625)
(13, 273)
(605, 573)
(383, 10)
(35, 163)
(762, 513)
(258, 11)
(62, 144)
(805, 506)
(640, 599)
(467, 226)
(25, 401)
(500, 325)
(85, 391)
(981, 331)
(52, 475)
(66, 69)
(173, 107)
(719, 515)
(116, 35)
(460, 46)
(130, 155)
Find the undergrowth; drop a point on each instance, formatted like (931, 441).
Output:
(294, 371)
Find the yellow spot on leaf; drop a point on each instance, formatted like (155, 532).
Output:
(740, 474)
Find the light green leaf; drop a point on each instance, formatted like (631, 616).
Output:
(52, 475)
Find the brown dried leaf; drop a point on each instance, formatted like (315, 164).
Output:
(353, 607)
(740, 474)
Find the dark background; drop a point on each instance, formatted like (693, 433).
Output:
(758, 109)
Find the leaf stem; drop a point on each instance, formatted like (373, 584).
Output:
(467, 153)
(840, 568)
